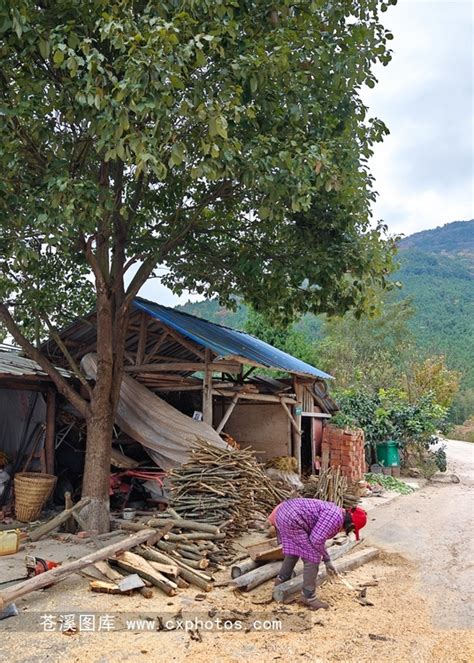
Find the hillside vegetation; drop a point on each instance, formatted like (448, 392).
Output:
(437, 276)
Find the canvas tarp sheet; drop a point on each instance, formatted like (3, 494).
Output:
(165, 432)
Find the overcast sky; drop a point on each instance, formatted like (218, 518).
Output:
(424, 168)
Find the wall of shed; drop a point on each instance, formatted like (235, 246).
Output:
(263, 426)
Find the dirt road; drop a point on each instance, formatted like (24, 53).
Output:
(434, 528)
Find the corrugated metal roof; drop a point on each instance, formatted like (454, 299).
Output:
(227, 342)
(14, 365)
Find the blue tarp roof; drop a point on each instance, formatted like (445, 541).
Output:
(227, 342)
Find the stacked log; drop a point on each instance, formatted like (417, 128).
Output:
(331, 486)
(184, 555)
(224, 486)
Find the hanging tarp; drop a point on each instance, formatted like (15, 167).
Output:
(165, 432)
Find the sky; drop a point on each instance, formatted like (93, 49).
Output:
(424, 168)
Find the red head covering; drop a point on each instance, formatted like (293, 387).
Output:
(359, 519)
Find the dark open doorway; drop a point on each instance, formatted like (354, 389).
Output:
(306, 446)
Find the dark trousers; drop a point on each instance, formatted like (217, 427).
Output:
(310, 573)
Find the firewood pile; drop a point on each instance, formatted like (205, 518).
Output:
(330, 486)
(224, 487)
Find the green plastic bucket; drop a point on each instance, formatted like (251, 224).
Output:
(387, 453)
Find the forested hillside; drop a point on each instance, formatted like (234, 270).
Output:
(437, 276)
(437, 273)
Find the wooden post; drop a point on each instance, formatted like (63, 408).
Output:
(50, 430)
(297, 432)
(227, 413)
(207, 391)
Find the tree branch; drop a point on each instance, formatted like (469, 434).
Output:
(70, 359)
(61, 383)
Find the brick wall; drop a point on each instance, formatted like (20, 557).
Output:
(346, 450)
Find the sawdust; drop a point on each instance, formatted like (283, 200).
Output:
(396, 628)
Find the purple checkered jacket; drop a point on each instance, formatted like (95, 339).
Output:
(304, 525)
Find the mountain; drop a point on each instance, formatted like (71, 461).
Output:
(456, 238)
(437, 273)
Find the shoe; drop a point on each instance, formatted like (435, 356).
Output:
(313, 603)
(278, 581)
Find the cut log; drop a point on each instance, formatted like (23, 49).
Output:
(167, 569)
(58, 520)
(261, 574)
(159, 534)
(136, 564)
(182, 583)
(196, 536)
(146, 592)
(60, 572)
(242, 567)
(108, 571)
(287, 590)
(107, 588)
(256, 577)
(181, 523)
(192, 576)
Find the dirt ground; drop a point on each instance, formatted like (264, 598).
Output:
(422, 608)
(396, 628)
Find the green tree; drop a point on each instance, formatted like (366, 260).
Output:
(368, 352)
(227, 141)
(286, 338)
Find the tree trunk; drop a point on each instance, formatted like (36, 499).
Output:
(97, 468)
(100, 422)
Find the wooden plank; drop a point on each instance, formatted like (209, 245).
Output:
(316, 415)
(287, 590)
(60, 572)
(266, 551)
(268, 398)
(191, 366)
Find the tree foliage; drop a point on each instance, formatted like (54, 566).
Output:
(370, 352)
(289, 339)
(215, 140)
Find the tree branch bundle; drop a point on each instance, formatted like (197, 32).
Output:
(220, 486)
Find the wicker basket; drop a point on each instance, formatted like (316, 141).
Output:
(32, 489)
